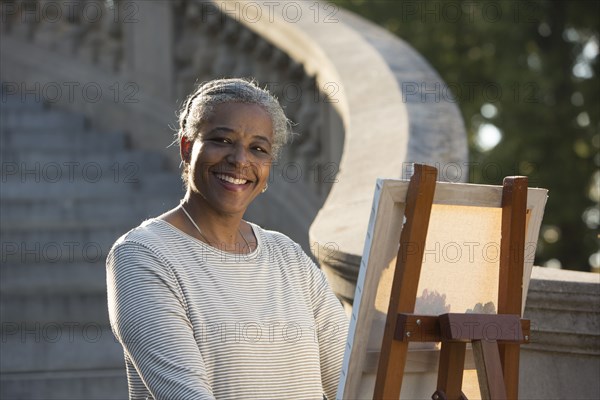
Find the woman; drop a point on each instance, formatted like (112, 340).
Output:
(207, 305)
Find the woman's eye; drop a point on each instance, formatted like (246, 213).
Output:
(261, 149)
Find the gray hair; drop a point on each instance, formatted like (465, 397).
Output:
(202, 102)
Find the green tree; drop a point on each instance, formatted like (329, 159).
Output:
(526, 77)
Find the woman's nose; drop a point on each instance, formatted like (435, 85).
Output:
(238, 156)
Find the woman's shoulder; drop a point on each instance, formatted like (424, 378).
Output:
(150, 234)
(145, 247)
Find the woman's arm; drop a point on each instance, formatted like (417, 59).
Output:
(331, 328)
(148, 316)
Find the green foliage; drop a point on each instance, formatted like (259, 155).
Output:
(533, 67)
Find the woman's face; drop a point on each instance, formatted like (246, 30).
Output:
(231, 157)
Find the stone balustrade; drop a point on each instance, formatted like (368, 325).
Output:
(339, 78)
(358, 96)
(365, 70)
(563, 359)
(104, 59)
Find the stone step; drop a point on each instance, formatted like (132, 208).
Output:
(37, 213)
(70, 166)
(66, 307)
(84, 230)
(58, 346)
(42, 121)
(101, 185)
(11, 102)
(40, 279)
(88, 244)
(77, 384)
(67, 195)
(17, 105)
(47, 292)
(63, 141)
(51, 232)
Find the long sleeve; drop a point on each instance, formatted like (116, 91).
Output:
(148, 316)
(331, 328)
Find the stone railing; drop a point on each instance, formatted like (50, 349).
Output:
(339, 77)
(107, 60)
(366, 70)
(562, 361)
(355, 92)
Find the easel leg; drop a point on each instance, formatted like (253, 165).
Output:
(392, 360)
(392, 378)
(509, 356)
(489, 370)
(510, 288)
(451, 368)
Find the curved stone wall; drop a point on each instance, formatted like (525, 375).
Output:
(341, 79)
(104, 59)
(368, 71)
(126, 66)
(562, 359)
(359, 96)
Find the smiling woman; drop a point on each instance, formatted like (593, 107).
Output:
(230, 158)
(207, 305)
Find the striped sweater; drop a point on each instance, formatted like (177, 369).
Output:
(199, 323)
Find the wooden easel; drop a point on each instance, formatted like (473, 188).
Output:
(495, 338)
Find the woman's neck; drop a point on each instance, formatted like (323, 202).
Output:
(219, 230)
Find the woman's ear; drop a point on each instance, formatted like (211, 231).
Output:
(185, 149)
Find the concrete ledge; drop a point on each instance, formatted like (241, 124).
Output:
(563, 358)
(564, 308)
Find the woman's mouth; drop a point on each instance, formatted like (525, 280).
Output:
(231, 179)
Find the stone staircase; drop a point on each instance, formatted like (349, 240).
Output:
(67, 193)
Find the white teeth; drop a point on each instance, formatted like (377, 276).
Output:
(230, 179)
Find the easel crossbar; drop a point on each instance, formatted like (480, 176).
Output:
(504, 328)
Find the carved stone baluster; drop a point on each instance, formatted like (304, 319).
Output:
(89, 38)
(291, 96)
(225, 62)
(263, 51)
(10, 14)
(188, 19)
(51, 24)
(307, 147)
(26, 19)
(111, 51)
(279, 65)
(244, 58)
(195, 49)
